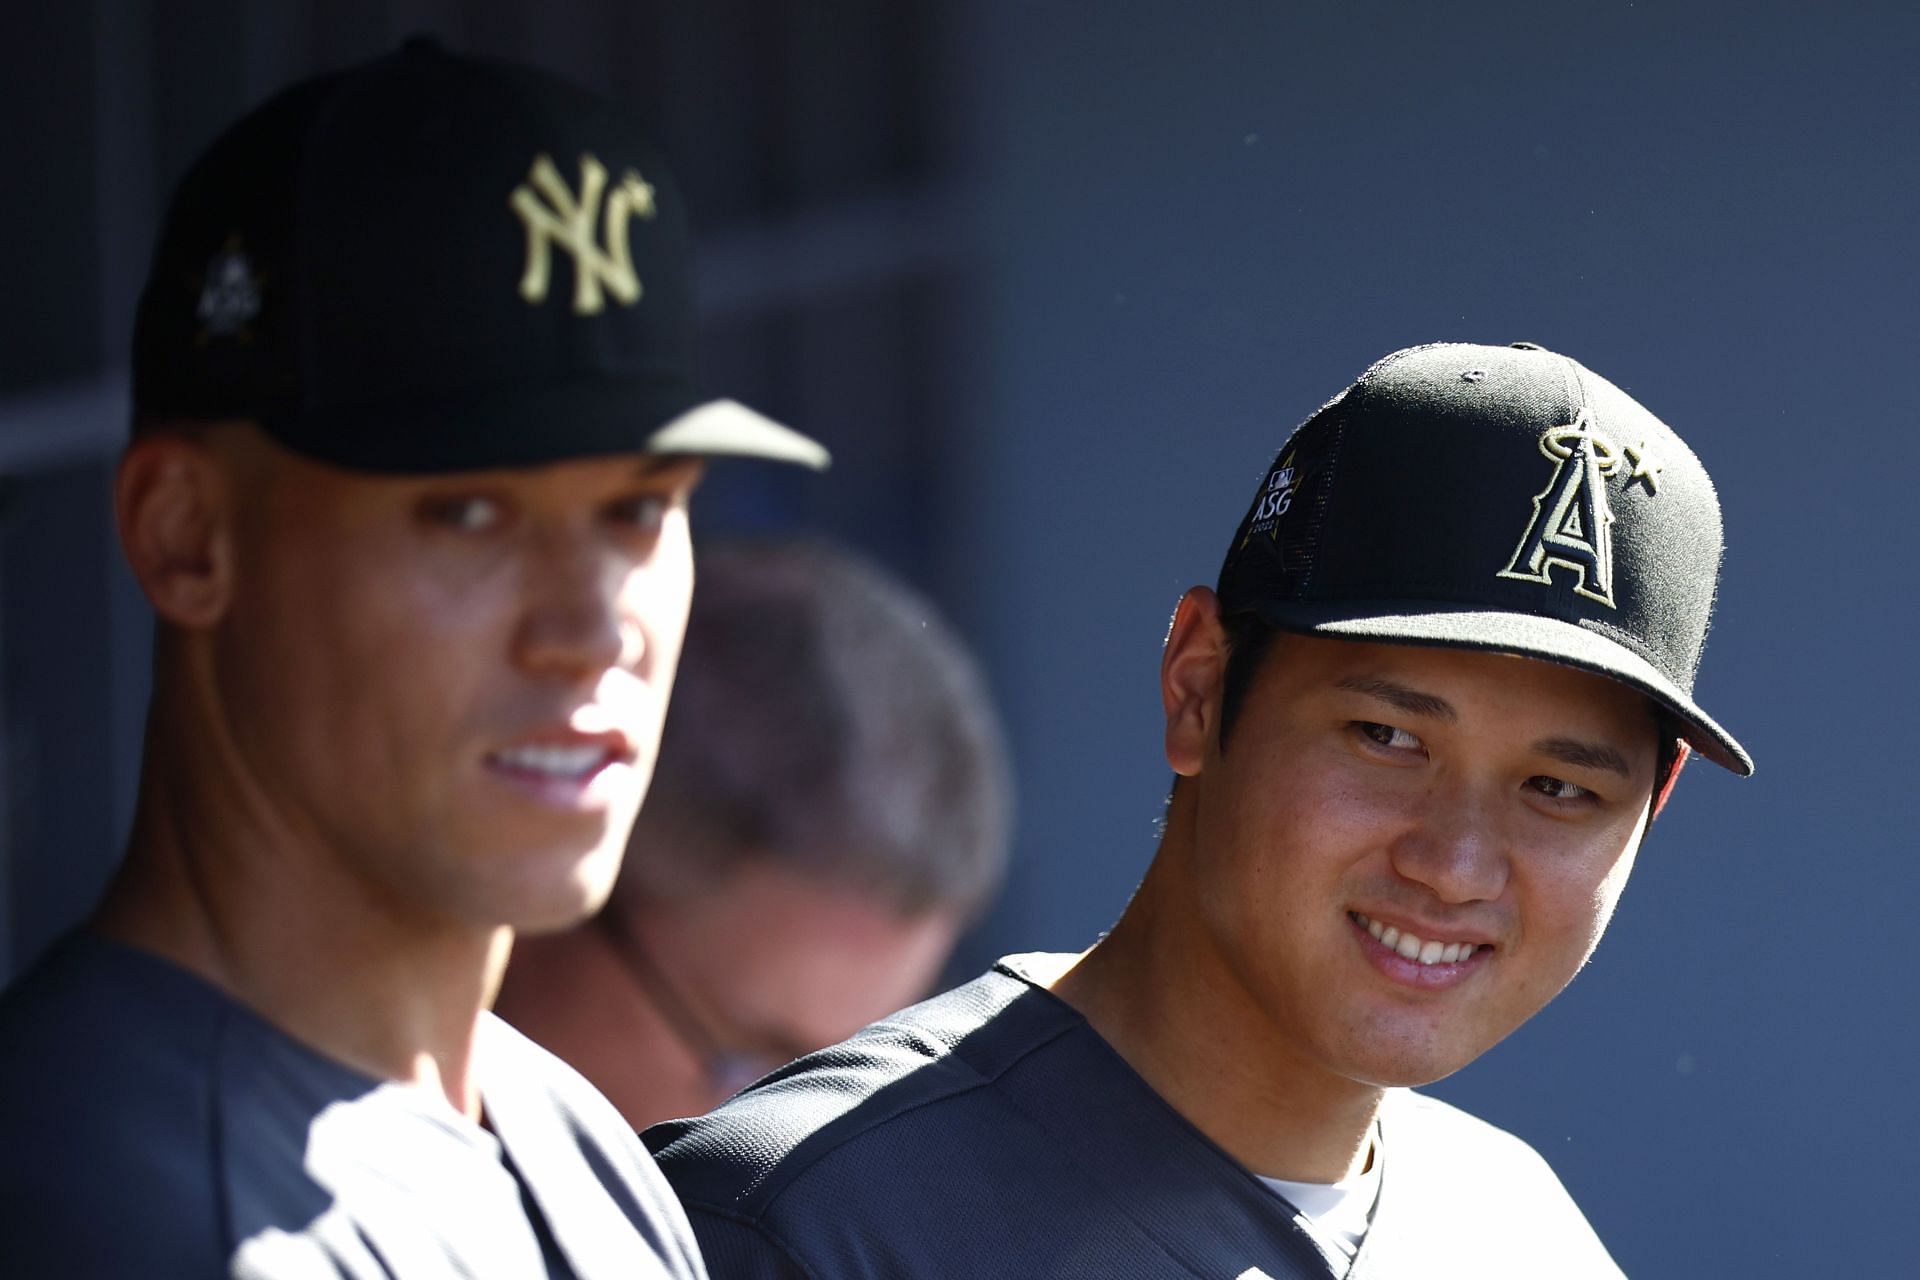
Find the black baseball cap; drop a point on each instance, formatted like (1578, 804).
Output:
(1498, 498)
(432, 262)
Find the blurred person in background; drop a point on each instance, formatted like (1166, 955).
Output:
(830, 809)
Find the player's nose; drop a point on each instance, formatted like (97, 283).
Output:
(1456, 846)
(573, 624)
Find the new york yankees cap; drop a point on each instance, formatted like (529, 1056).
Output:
(430, 263)
(1497, 498)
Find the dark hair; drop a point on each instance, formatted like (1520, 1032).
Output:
(824, 719)
(1250, 638)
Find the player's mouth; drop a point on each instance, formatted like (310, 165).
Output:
(569, 770)
(1423, 961)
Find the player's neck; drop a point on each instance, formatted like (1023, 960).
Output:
(1148, 990)
(218, 883)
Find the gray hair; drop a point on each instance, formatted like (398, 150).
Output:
(824, 719)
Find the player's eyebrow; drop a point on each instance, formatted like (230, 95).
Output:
(1585, 755)
(1411, 701)
(653, 464)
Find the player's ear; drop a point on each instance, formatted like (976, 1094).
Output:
(172, 500)
(1683, 751)
(1191, 669)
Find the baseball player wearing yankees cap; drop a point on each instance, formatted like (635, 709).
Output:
(1420, 728)
(408, 494)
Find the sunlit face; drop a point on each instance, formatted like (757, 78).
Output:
(1478, 811)
(454, 685)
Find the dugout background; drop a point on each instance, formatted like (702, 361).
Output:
(1054, 281)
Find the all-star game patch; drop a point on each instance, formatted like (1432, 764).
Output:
(229, 295)
(1277, 539)
(1275, 498)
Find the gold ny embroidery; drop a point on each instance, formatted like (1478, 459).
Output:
(568, 223)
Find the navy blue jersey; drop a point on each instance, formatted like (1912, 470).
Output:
(151, 1126)
(990, 1132)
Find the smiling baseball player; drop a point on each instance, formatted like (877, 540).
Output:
(1420, 728)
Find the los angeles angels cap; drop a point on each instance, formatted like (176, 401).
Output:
(435, 263)
(1498, 498)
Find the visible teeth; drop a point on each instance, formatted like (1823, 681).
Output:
(1418, 950)
(562, 761)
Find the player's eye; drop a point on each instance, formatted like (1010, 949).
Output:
(1559, 788)
(464, 513)
(1387, 736)
(640, 512)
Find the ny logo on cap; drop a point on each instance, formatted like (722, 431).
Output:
(568, 223)
(1572, 524)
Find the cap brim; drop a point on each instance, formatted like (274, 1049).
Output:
(1423, 623)
(726, 428)
(535, 425)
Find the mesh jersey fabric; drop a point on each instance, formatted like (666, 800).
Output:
(991, 1132)
(153, 1126)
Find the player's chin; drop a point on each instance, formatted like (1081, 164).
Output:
(555, 886)
(1409, 1063)
(1407, 1075)
(551, 908)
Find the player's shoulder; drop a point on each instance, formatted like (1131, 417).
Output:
(552, 1097)
(1424, 1113)
(1420, 1123)
(105, 1066)
(920, 1070)
(1458, 1187)
(100, 1024)
(510, 1055)
(551, 1118)
(527, 1083)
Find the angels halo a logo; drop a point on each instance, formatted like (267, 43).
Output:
(1572, 523)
